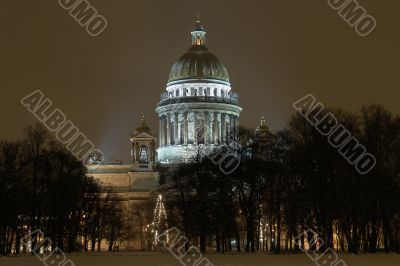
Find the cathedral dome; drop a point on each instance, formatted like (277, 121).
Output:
(198, 109)
(198, 62)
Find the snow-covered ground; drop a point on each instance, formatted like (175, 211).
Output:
(155, 259)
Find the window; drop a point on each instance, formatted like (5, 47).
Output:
(191, 133)
(192, 91)
(181, 132)
(172, 132)
(208, 91)
(200, 131)
(143, 154)
(177, 93)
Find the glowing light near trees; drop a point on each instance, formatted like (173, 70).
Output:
(159, 224)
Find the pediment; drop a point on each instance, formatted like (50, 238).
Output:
(143, 135)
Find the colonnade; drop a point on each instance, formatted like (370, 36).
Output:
(197, 127)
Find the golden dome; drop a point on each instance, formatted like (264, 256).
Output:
(198, 62)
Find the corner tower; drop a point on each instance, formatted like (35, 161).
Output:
(143, 148)
(198, 110)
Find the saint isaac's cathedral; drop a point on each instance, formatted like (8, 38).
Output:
(197, 110)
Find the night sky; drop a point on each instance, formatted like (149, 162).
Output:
(276, 51)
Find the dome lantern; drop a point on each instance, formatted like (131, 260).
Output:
(198, 35)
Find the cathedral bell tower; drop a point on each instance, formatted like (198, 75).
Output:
(143, 148)
(264, 140)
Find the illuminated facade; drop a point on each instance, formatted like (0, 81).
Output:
(199, 110)
(133, 182)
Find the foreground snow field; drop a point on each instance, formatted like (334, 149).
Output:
(155, 259)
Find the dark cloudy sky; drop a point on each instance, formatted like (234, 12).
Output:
(276, 51)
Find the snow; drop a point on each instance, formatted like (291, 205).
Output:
(166, 259)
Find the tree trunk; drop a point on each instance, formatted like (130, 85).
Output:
(218, 241)
(238, 246)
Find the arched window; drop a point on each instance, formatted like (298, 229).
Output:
(191, 129)
(215, 91)
(181, 132)
(143, 154)
(177, 93)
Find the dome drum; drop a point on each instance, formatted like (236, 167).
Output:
(166, 98)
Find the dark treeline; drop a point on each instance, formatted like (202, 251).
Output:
(287, 182)
(292, 181)
(44, 187)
